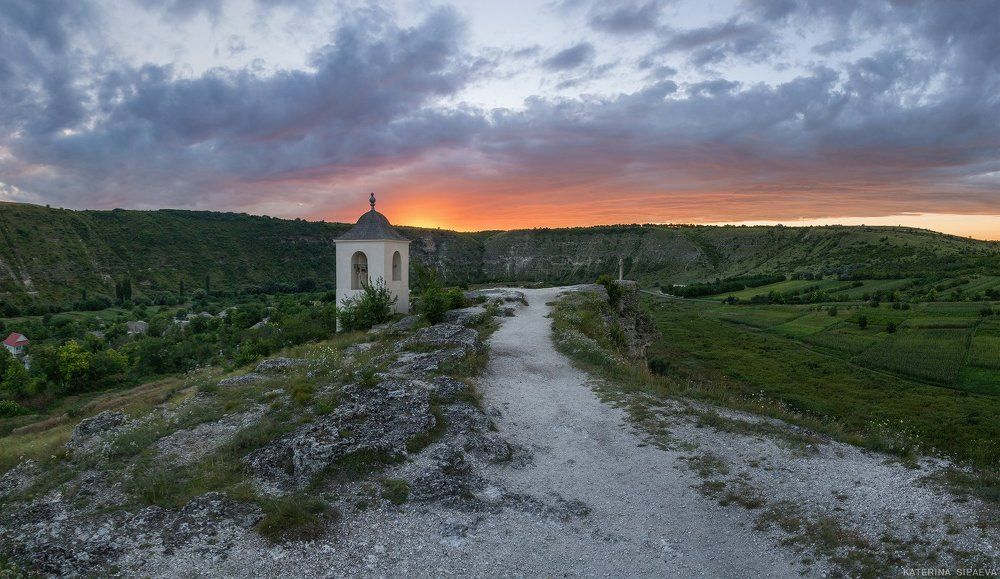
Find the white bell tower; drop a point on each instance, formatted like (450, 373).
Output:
(370, 251)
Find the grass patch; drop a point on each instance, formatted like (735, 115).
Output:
(707, 465)
(294, 518)
(418, 442)
(802, 442)
(468, 366)
(850, 552)
(35, 445)
(395, 490)
(354, 467)
(172, 486)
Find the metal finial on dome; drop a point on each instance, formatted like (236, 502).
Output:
(372, 201)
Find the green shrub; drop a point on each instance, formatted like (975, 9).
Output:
(456, 298)
(863, 322)
(658, 366)
(294, 517)
(434, 302)
(373, 306)
(368, 378)
(10, 408)
(396, 490)
(832, 311)
(614, 290)
(250, 351)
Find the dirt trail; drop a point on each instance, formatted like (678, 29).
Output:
(644, 519)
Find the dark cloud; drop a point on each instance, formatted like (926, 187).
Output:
(160, 139)
(181, 10)
(570, 58)
(626, 19)
(713, 44)
(39, 88)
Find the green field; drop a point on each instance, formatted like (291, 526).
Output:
(933, 355)
(781, 287)
(845, 339)
(937, 376)
(762, 317)
(985, 351)
(808, 324)
(870, 286)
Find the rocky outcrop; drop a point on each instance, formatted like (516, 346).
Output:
(635, 324)
(378, 420)
(95, 427)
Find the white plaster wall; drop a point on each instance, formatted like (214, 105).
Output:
(379, 255)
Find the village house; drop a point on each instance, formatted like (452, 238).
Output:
(16, 344)
(136, 327)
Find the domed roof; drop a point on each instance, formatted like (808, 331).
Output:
(372, 226)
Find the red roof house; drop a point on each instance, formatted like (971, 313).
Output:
(15, 343)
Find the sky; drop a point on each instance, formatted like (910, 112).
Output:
(478, 115)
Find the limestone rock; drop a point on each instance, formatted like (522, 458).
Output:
(94, 427)
(380, 419)
(280, 364)
(443, 334)
(405, 324)
(241, 380)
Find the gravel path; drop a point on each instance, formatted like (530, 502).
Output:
(645, 519)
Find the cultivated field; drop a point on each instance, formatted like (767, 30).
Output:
(927, 371)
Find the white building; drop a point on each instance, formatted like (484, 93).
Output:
(15, 343)
(136, 327)
(370, 251)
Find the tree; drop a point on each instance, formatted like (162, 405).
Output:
(863, 322)
(5, 361)
(123, 290)
(614, 290)
(180, 289)
(15, 380)
(208, 284)
(74, 364)
(890, 327)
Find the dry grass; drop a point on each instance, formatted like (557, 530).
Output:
(33, 445)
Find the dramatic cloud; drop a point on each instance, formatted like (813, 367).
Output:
(715, 43)
(570, 58)
(636, 111)
(627, 18)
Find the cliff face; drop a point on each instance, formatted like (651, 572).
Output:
(582, 254)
